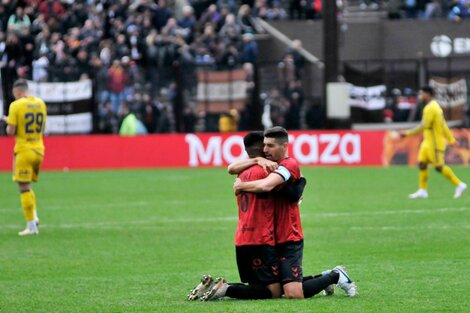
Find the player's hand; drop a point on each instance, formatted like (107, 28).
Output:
(5, 118)
(456, 144)
(236, 186)
(267, 165)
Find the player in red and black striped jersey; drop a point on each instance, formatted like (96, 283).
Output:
(288, 228)
(258, 256)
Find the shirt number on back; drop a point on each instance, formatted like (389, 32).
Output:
(244, 202)
(34, 122)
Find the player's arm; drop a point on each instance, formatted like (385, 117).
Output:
(11, 128)
(276, 178)
(293, 191)
(239, 166)
(448, 134)
(262, 185)
(426, 122)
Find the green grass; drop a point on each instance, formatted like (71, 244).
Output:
(137, 241)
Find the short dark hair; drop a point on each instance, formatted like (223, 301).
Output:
(21, 83)
(427, 89)
(253, 142)
(277, 132)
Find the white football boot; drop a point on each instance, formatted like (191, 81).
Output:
(217, 291)
(344, 282)
(421, 193)
(460, 189)
(204, 286)
(29, 232)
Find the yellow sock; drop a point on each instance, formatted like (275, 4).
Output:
(29, 205)
(423, 178)
(449, 174)
(35, 205)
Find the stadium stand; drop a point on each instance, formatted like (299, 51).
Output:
(147, 54)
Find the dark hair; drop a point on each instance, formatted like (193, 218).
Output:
(428, 90)
(21, 83)
(277, 132)
(253, 142)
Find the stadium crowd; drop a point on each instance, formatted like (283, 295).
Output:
(133, 49)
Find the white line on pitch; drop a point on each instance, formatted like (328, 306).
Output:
(157, 222)
(391, 212)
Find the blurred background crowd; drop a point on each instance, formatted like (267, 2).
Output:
(137, 52)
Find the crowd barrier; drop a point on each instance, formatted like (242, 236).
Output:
(310, 148)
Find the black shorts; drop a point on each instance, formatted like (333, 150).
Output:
(290, 256)
(258, 265)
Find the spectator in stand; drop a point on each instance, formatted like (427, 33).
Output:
(161, 15)
(13, 56)
(4, 15)
(295, 99)
(51, 8)
(130, 125)
(299, 60)
(224, 12)
(245, 20)
(286, 71)
(108, 119)
(231, 27)
(460, 11)
(100, 72)
(250, 49)
(295, 9)
(164, 120)
(18, 22)
(260, 9)
(83, 63)
(116, 84)
(210, 16)
(276, 12)
(187, 23)
(27, 42)
(150, 113)
(229, 59)
(40, 66)
(228, 121)
(121, 48)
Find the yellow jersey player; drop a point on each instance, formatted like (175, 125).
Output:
(26, 121)
(436, 136)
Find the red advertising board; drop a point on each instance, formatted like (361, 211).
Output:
(310, 148)
(195, 150)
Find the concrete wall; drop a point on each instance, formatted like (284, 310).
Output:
(403, 39)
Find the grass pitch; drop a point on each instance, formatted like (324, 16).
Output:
(138, 241)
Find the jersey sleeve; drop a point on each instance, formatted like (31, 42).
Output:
(447, 133)
(290, 169)
(284, 172)
(13, 115)
(428, 118)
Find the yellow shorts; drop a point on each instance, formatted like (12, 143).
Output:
(26, 166)
(428, 154)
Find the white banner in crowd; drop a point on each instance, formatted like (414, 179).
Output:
(220, 91)
(368, 98)
(449, 93)
(69, 106)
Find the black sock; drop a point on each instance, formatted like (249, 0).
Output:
(318, 283)
(305, 278)
(248, 292)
